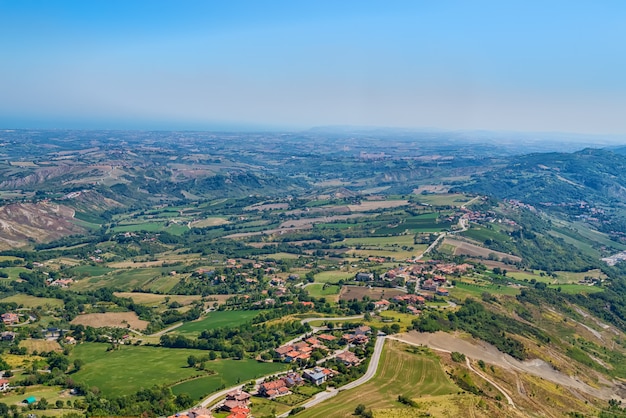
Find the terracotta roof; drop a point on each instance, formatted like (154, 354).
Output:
(273, 385)
(327, 337)
(284, 349)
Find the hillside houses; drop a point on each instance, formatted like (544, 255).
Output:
(236, 400)
(318, 375)
(429, 285)
(298, 351)
(358, 336)
(281, 386)
(194, 413)
(326, 338)
(301, 350)
(348, 358)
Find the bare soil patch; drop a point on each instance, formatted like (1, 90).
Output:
(472, 250)
(324, 210)
(308, 222)
(267, 206)
(111, 319)
(374, 293)
(480, 350)
(22, 222)
(209, 222)
(492, 263)
(369, 205)
(274, 244)
(137, 264)
(295, 225)
(432, 189)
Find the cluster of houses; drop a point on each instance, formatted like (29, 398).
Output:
(302, 349)
(237, 404)
(62, 283)
(348, 358)
(281, 386)
(194, 413)
(357, 336)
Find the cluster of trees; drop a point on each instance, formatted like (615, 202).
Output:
(235, 342)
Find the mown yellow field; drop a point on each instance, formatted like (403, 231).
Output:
(399, 373)
(40, 346)
(152, 298)
(111, 319)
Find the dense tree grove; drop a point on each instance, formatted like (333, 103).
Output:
(235, 342)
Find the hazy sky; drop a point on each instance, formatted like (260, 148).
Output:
(506, 65)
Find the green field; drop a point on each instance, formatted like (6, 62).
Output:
(317, 290)
(216, 320)
(397, 247)
(442, 199)
(414, 224)
(131, 368)
(90, 270)
(333, 276)
(482, 234)
(562, 277)
(463, 290)
(51, 393)
(14, 272)
(576, 288)
(399, 240)
(152, 226)
(33, 301)
(399, 373)
(124, 279)
(229, 373)
(10, 258)
(386, 318)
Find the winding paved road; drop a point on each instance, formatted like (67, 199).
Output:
(375, 358)
(369, 374)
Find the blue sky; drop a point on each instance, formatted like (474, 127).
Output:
(497, 65)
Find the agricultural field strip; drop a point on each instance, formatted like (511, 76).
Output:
(469, 365)
(490, 354)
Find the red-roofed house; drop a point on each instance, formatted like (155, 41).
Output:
(10, 318)
(381, 305)
(239, 412)
(348, 358)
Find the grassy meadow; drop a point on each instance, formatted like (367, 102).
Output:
(216, 319)
(131, 368)
(400, 372)
(33, 301)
